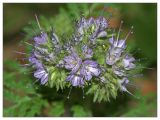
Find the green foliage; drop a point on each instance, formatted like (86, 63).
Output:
(57, 109)
(22, 96)
(20, 93)
(80, 111)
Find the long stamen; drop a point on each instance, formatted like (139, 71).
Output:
(130, 32)
(20, 52)
(25, 65)
(29, 44)
(69, 92)
(132, 94)
(144, 68)
(120, 29)
(38, 22)
(83, 92)
(138, 60)
(135, 75)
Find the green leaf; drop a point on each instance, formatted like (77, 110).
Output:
(57, 109)
(79, 111)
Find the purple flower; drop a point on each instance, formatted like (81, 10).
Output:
(89, 69)
(75, 79)
(55, 42)
(34, 61)
(118, 71)
(79, 69)
(101, 23)
(97, 34)
(117, 43)
(123, 84)
(42, 75)
(113, 55)
(72, 62)
(54, 39)
(82, 25)
(42, 39)
(127, 62)
(91, 21)
(85, 24)
(115, 51)
(88, 53)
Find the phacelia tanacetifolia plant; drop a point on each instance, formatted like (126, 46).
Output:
(95, 57)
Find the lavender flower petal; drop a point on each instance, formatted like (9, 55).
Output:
(89, 69)
(115, 50)
(127, 62)
(42, 39)
(42, 75)
(72, 62)
(113, 55)
(101, 23)
(123, 84)
(91, 21)
(34, 61)
(75, 80)
(81, 25)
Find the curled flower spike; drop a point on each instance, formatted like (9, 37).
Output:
(81, 60)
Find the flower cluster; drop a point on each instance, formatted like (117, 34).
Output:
(92, 54)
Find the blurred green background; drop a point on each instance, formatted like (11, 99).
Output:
(22, 98)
